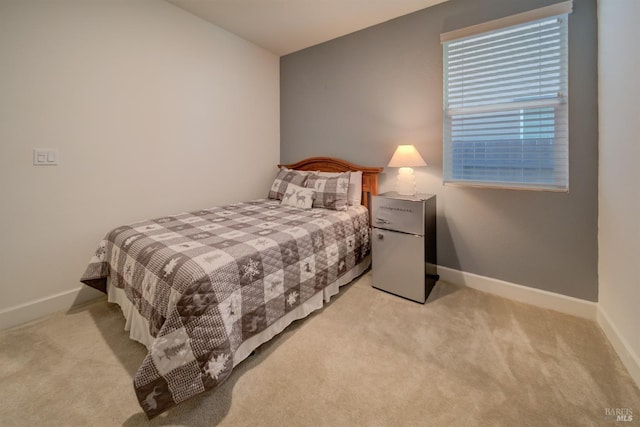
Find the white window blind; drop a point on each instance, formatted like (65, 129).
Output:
(505, 107)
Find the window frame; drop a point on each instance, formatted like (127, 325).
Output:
(525, 170)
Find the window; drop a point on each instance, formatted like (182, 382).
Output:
(506, 102)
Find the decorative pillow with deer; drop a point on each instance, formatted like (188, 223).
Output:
(299, 197)
(286, 176)
(331, 192)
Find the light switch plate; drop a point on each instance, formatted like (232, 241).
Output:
(45, 157)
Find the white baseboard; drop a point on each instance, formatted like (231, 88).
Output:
(32, 310)
(629, 358)
(525, 294)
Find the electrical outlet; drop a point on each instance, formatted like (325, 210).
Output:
(45, 157)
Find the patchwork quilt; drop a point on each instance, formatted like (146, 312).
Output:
(208, 280)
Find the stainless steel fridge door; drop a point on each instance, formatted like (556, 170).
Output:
(398, 214)
(398, 264)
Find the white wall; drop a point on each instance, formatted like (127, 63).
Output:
(619, 180)
(153, 111)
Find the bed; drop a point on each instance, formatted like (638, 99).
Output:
(202, 290)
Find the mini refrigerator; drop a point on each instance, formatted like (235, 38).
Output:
(404, 244)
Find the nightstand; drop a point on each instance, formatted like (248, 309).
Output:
(404, 244)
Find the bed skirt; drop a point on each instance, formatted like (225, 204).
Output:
(138, 327)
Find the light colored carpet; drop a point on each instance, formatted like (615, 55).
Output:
(465, 358)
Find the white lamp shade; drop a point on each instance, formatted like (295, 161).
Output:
(406, 156)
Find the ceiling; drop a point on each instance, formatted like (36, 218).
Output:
(285, 26)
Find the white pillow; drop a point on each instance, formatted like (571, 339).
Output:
(299, 197)
(354, 194)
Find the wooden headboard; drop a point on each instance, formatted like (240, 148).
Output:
(330, 164)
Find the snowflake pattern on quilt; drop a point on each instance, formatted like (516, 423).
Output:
(208, 280)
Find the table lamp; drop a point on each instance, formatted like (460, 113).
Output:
(406, 157)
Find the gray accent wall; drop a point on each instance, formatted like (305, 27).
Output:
(359, 96)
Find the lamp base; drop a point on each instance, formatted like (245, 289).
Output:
(406, 182)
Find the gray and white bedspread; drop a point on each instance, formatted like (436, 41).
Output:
(206, 281)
